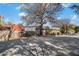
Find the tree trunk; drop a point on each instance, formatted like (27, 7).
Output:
(41, 32)
(41, 25)
(65, 29)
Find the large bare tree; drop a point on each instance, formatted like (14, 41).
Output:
(38, 11)
(75, 8)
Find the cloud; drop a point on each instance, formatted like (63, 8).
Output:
(23, 14)
(59, 17)
(74, 19)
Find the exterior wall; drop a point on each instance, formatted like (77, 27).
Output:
(16, 34)
(30, 28)
(56, 32)
(4, 35)
(51, 32)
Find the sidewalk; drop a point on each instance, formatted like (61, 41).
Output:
(67, 36)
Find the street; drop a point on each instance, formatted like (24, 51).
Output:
(41, 46)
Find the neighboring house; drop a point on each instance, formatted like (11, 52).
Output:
(52, 28)
(52, 31)
(16, 27)
(16, 30)
(55, 30)
(31, 27)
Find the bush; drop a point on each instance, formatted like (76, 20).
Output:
(29, 33)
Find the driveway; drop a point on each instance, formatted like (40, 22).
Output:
(41, 46)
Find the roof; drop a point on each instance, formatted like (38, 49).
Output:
(16, 27)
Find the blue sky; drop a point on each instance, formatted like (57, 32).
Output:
(11, 13)
(69, 14)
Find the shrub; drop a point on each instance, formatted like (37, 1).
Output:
(29, 33)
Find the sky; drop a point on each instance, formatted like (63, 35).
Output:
(69, 15)
(11, 13)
